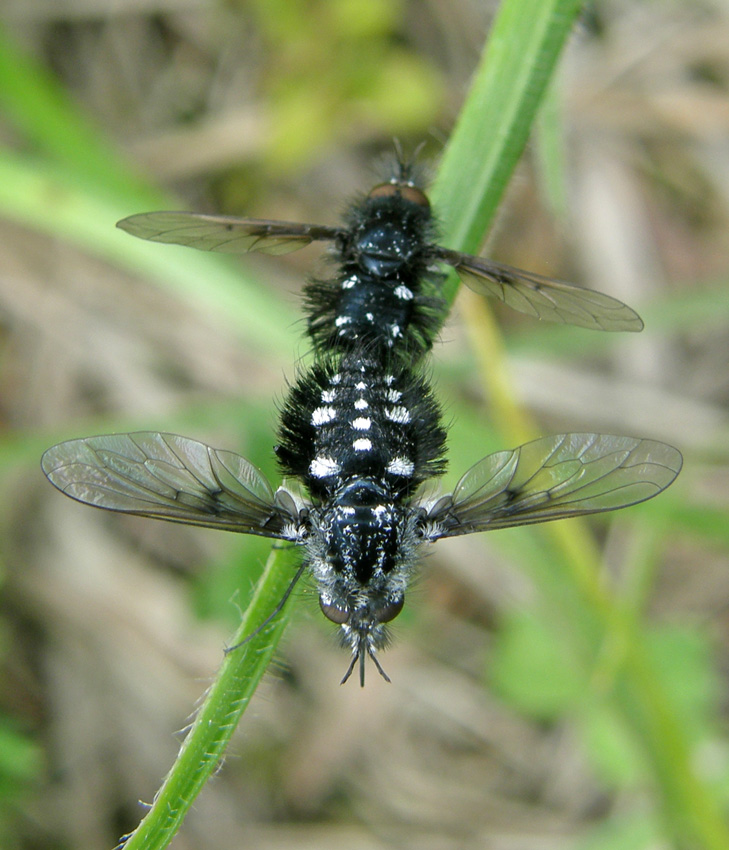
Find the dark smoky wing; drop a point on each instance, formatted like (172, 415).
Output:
(542, 297)
(552, 478)
(164, 476)
(226, 234)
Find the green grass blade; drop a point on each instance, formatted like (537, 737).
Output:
(226, 700)
(488, 140)
(54, 127)
(492, 130)
(74, 185)
(48, 198)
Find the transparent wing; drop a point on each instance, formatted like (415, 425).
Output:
(227, 234)
(555, 477)
(542, 297)
(172, 478)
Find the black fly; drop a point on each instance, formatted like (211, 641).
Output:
(360, 429)
(389, 266)
(361, 535)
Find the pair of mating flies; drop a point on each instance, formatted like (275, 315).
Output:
(360, 430)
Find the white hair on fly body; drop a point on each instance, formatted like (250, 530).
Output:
(323, 467)
(322, 415)
(401, 466)
(401, 415)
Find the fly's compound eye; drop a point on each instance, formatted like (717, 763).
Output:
(404, 190)
(415, 196)
(390, 611)
(332, 612)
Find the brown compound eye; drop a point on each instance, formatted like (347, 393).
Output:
(390, 611)
(404, 190)
(384, 190)
(332, 612)
(415, 196)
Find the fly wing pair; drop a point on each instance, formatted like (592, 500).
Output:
(164, 476)
(555, 477)
(173, 478)
(542, 297)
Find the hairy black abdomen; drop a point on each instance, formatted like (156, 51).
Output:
(352, 418)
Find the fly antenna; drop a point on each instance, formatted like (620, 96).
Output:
(371, 653)
(359, 655)
(406, 164)
(355, 656)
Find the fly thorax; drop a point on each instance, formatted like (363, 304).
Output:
(361, 552)
(363, 532)
(390, 235)
(365, 557)
(383, 248)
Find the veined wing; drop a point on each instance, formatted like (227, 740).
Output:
(552, 478)
(542, 297)
(164, 476)
(226, 234)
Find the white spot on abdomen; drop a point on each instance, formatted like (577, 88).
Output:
(401, 415)
(401, 466)
(322, 467)
(322, 415)
(362, 445)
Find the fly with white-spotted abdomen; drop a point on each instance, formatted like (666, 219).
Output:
(360, 532)
(360, 428)
(386, 292)
(362, 438)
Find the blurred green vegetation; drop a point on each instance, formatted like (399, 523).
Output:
(357, 76)
(651, 729)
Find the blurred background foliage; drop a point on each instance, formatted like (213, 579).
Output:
(490, 736)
